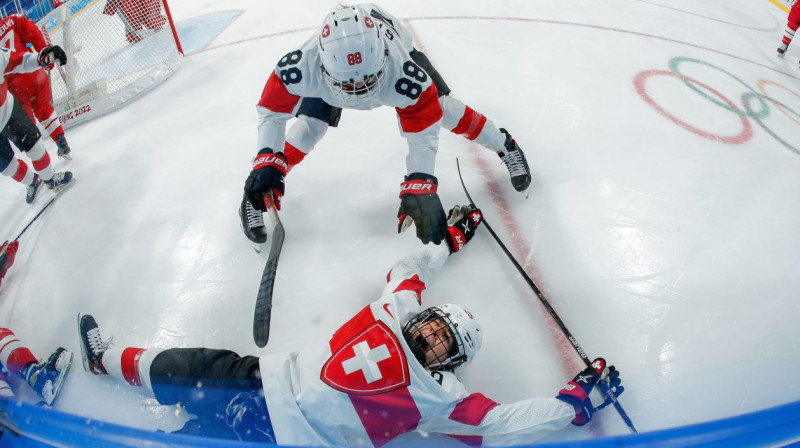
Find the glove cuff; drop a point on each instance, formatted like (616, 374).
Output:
(419, 183)
(266, 158)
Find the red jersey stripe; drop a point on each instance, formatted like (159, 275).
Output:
(276, 98)
(422, 114)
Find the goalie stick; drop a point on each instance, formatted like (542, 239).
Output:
(263, 310)
(547, 306)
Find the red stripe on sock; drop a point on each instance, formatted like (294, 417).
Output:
(22, 171)
(470, 125)
(130, 365)
(42, 163)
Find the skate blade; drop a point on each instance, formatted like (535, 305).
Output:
(62, 375)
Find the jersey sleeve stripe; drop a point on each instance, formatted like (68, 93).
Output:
(276, 97)
(472, 410)
(412, 284)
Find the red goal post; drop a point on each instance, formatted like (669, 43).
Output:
(117, 50)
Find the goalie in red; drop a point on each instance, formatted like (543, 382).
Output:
(140, 17)
(32, 90)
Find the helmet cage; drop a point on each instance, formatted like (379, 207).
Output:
(351, 90)
(419, 345)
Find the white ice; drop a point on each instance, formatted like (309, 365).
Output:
(673, 253)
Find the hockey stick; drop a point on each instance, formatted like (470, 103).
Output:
(547, 306)
(263, 311)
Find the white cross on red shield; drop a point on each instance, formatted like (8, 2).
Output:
(371, 362)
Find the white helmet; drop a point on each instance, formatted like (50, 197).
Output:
(353, 53)
(466, 332)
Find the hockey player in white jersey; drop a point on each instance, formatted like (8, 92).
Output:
(362, 58)
(386, 372)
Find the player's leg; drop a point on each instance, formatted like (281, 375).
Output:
(461, 119)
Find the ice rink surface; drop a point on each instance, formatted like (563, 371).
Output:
(662, 223)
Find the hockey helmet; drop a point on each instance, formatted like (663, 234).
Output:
(444, 337)
(353, 53)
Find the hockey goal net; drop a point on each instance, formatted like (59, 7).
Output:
(117, 50)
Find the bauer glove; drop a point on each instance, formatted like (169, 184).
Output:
(420, 204)
(267, 176)
(49, 55)
(590, 390)
(462, 221)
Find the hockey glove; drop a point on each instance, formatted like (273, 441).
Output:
(589, 390)
(462, 220)
(420, 204)
(267, 176)
(49, 55)
(8, 253)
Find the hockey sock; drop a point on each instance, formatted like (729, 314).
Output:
(18, 170)
(130, 364)
(41, 160)
(15, 357)
(463, 120)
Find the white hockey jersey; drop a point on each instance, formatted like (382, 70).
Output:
(407, 88)
(364, 387)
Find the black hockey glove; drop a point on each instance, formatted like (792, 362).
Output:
(582, 394)
(420, 204)
(267, 176)
(462, 221)
(49, 55)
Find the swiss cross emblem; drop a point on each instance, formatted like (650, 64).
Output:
(371, 362)
(326, 31)
(369, 22)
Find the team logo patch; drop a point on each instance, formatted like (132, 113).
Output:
(372, 362)
(368, 22)
(326, 31)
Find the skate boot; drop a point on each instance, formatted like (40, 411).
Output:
(47, 377)
(58, 181)
(33, 188)
(63, 147)
(782, 50)
(514, 160)
(92, 345)
(252, 221)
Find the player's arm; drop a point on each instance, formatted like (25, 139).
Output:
(29, 33)
(525, 421)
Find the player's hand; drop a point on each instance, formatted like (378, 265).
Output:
(462, 221)
(49, 55)
(269, 169)
(420, 204)
(591, 390)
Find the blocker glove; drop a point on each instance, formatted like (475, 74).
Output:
(49, 55)
(269, 169)
(420, 204)
(462, 221)
(588, 391)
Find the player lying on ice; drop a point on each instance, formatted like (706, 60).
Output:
(362, 58)
(385, 372)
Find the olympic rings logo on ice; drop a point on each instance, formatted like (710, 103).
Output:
(755, 103)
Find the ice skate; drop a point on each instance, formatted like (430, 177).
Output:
(58, 181)
(514, 160)
(33, 188)
(92, 345)
(63, 147)
(47, 377)
(782, 50)
(252, 222)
